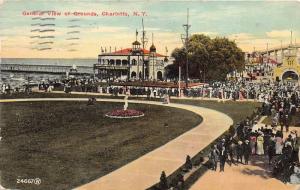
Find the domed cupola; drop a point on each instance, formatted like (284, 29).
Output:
(136, 45)
(152, 48)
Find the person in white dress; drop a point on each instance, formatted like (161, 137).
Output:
(278, 145)
(295, 177)
(260, 145)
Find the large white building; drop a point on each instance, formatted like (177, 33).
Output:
(128, 64)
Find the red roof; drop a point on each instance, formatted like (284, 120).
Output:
(127, 51)
(272, 61)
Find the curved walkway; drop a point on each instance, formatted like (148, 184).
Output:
(145, 171)
(257, 175)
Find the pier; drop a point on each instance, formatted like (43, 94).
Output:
(46, 69)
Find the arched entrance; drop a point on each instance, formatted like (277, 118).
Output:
(159, 75)
(290, 75)
(133, 74)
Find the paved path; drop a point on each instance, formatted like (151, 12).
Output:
(255, 176)
(145, 171)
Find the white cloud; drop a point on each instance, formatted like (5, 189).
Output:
(279, 34)
(259, 44)
(207, 33)
(241, 36)
(152, 29)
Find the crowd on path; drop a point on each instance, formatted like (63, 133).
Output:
(252, 140)
(222, 90)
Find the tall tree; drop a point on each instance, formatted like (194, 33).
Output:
(209, 59)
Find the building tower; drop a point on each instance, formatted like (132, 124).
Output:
(152, 62)
(136, 46)
(136, 50)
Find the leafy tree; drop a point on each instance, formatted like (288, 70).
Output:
(172, 70)
(208, 59)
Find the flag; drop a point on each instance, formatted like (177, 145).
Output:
(136, 32)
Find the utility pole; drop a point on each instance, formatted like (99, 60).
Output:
(153, 73)
(185, 40)
(267, 53)
(179, 81)
(144, 42)
(281, 50)
(291, 37)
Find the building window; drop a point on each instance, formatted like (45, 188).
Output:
(124, 62)
(133, 74)
(112, 62)
(133, 62)
(118, 62)
(159, 75)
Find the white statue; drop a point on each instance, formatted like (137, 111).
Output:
(74, 67)
(126, 102)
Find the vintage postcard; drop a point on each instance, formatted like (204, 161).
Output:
(156, 95)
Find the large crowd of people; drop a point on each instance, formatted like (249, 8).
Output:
(230, 90)
(222, 90)
(252, 140)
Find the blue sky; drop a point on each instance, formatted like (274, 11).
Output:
(250, 23)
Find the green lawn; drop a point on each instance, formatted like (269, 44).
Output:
(67, 144)
(238, 111)
(51, 95)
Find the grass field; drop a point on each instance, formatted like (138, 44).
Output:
(67, 144)
(238, 111)
(52, 95)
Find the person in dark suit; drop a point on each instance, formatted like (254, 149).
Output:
(230, 151)
(214, 156)
(247, 151)
(271, 150)
(239, 151)
(223, 156)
